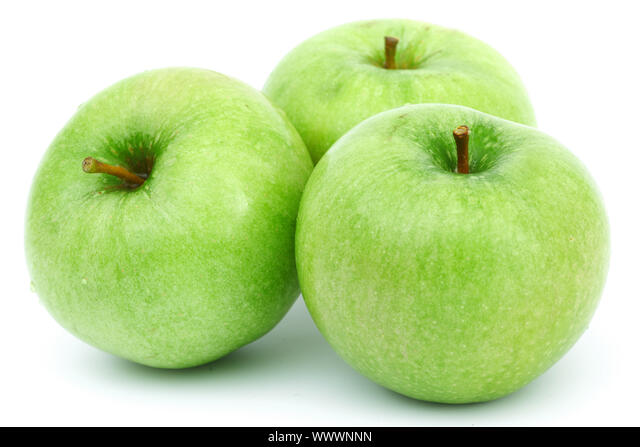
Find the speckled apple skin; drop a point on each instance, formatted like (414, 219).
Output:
(199, 260)
(336, 79)
(449, 287)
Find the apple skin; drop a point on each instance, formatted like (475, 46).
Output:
(199, 260)
(336, 79)
(449, 287)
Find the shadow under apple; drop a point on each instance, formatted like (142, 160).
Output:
(294, 357)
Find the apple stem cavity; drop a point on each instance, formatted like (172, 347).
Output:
(390, 44)
(461, 135)
(92, 166)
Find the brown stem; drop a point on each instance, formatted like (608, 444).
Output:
(93, 166)
(461, 135)
(390, 44)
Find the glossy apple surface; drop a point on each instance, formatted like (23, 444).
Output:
(450, 287)
(199, 259)
(336, 79)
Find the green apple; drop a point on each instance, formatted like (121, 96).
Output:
(446, 286)
(186, 251)
(336, 79)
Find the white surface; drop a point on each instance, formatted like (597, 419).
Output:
(580, 64)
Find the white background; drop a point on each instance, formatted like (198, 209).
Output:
(579, 61)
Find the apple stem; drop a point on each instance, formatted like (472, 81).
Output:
(93, 166)
(461, 135)
(390, 44)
